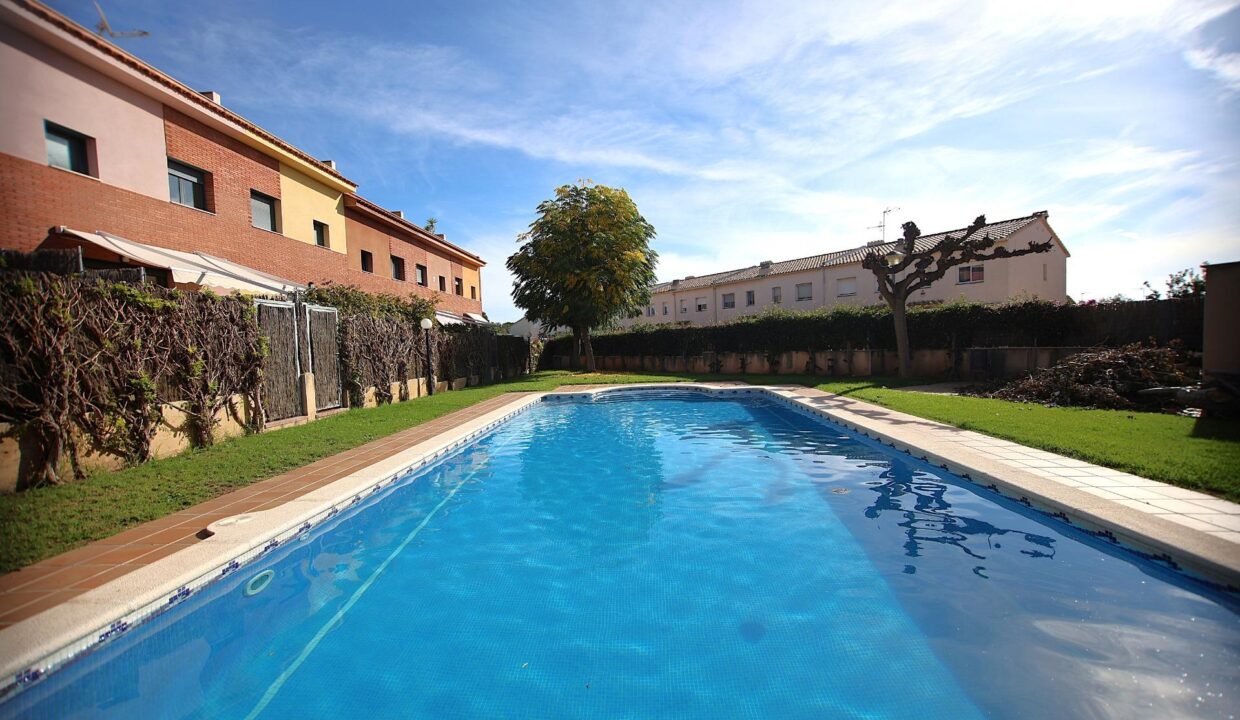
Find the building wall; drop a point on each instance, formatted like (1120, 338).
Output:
(1221, 341)
(1004, 279)
(303, 201)
(38, 83)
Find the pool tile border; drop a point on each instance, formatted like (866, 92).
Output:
(38, 645)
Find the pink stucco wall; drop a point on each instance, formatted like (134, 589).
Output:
(38, 84)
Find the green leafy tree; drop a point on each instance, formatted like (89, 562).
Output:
(1186, 283)
(585, 261)
(905, 269)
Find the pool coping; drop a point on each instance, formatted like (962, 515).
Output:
(35, 646)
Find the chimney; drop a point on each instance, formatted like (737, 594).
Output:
(211, 95)
(675, 284)
(399, 213)
(329, 163)
(873, 243)
(764, 267)
(441, 236)
(1042, 214)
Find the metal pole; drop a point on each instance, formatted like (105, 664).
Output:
(430, 369)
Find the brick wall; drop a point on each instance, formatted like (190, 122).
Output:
(35, 198)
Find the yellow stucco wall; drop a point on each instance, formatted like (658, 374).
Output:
(302, 201)
(470, 276)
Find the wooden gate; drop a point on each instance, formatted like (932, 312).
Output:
(324, 344)
(277, 320)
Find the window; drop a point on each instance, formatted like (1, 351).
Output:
(650, 311)
(66, 149)
(777, 295)
(664, 308)
(263, 211)
(700, 303)
(187, 185)
(971, 274)
(443, 284)
(684, 306)
(805, 291)
(846, 286)
(368, 262)
(729, 300)
(421, 274)
(398, 268)
(321, 234)
(458, 287)
(1043, 272)
(749, 298)
(473, 292)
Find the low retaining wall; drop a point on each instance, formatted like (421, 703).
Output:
(170, 439)
(980, 363)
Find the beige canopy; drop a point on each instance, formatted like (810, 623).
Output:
(186, 268)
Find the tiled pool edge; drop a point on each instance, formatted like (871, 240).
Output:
(38, 645)
(35, 646)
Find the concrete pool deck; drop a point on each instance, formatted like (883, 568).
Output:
(57, 608)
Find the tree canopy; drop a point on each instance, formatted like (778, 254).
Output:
(585, 261)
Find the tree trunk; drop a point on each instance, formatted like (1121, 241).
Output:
(590, 366)
(900, 318)
(574, 363)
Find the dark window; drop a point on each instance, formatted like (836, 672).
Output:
(473, 292)
(398, 268)
(263, 211)
(701, 304)
(443, 284)
(66, 148)
(368, 262)
(664, 308)
(321, 237)
(187, 185)
(421, 271)
(971, 274)
(777, 295)
(458, 287)
(748, 298)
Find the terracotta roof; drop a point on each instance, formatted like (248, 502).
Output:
(997, 230)
(361, 203)
(83, 35)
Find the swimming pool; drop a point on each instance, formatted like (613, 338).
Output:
(671, 553)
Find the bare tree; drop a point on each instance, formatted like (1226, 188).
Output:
(928, 265)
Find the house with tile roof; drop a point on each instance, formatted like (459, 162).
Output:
(836, 278)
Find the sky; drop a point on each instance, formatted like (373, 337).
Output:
(750, 131)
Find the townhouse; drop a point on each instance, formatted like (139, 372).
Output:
(836, 278)
(102, 151)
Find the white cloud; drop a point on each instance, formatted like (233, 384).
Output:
(1225, 67)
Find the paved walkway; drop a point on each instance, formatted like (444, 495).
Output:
(33, 589)
(1159, 501)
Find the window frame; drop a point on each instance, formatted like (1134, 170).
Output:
(977, 274)
(322, 239)
(699, 303)
(665, 308)
(473, 292)
(777, 295)
(684, 306)
(197, 179)
(367, 261)
(458, 287)
(839, 289)
(420, 275)
(273, 203)
(750, 298)
(73, 140)
(727, 301)
(398, 268)
(443, 283)
(810, 296)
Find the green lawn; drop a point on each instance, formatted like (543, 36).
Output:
(41, 523)
(1199, 454)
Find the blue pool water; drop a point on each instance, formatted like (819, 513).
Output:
(675, 555)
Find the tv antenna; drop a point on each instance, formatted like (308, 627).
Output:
(882, 226)
(103, 28)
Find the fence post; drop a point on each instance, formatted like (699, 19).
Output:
(308, 400)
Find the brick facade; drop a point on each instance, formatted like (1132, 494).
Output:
(35, 197)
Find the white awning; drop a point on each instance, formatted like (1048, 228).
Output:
(448, 318)
(188, 268)
(482, 319)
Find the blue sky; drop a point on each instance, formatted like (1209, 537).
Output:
(750, 131)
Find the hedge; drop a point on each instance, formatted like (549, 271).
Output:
(1029, 323)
